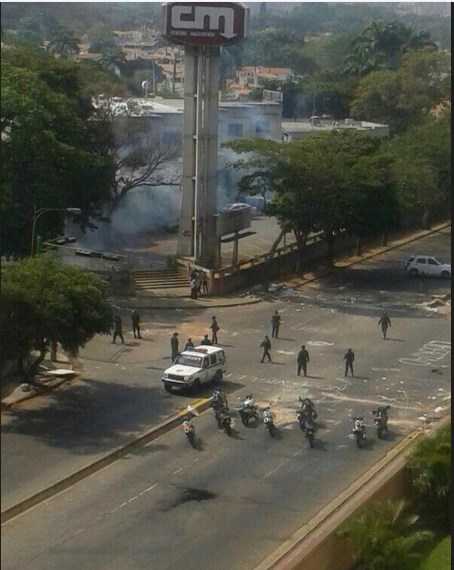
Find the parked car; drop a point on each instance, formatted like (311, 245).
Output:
(430, 266)
(241, 206)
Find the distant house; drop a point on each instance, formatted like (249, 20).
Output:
(254, 76)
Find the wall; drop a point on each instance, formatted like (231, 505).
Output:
(264, 272)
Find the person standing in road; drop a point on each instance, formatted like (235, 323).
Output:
(303, 359)
(135, 319)
(189, 344)
(385, 322)
(204, 283)
(174, 346)
(214, 330)
(117, 329)
(193, 286)
(275, 324)
(266, 346)
(349, 357)
(423, 283)
(205, 340)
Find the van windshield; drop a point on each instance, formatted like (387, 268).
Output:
(189, 360)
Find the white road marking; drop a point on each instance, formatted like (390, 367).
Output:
(320, 343)
(282, 463)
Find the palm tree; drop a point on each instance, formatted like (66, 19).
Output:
(63, 44)
(382, 536)
(430, 473)
(391, 41)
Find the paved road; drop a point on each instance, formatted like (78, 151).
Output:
(233, 501)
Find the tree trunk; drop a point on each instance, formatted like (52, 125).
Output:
(330, 245)
(53, 351)
(358, 246)
(34, 367)
(301, 244)
(426, 220)
(276, 243)
(384, 239)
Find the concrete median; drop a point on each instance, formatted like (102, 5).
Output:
(142, 439)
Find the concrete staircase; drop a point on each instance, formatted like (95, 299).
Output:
(159, 280)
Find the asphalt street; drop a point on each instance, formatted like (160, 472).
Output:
(232, 501)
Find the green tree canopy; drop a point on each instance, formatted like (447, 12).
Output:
(321, 184)
(44, 300)
(50, 151)
(404, 97)
(382, 533)
(430, 473)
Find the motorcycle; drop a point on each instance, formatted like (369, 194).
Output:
(223, 419)
(309, 431)
(306, 412)
(189, 432)
(359, 430)
(219, 400)
(248, 410)
(381, 420)
(269, 421)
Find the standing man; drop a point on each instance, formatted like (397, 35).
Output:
(266, 345)
(214, 330)
(204, 283)
(275, 324)
(117, 329)
(303, 359)
(135, 318)
(193, 286)
(385, 322)
(174, 346)
(349, 358)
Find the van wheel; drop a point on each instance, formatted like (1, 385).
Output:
(196, 387)
(414, 272)
(446, 275)
(168, 387)
(218, 376)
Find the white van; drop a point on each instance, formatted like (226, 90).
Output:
(195, 367)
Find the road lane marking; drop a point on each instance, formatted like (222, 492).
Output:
(282, 463)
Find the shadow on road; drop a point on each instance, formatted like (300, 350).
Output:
(90, 417)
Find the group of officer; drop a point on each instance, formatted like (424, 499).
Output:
(303, 354)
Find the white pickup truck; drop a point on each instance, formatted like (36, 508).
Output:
(195, 367)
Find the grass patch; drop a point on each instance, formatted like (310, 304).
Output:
(440, 557)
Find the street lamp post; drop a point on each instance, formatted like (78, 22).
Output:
(37, 213)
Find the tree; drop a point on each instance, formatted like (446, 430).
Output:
(430, 474)
(381, 534)
(384, 44)
(404, 97)
(44, 301)
(139, 155)
(315, 189)
(50, 152)
(63, 43)
(421, 170)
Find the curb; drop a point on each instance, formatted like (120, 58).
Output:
(219, 305)
(285, 557)
(35, 392)
(107, 459)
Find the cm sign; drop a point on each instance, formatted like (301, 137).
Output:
(205, 24)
